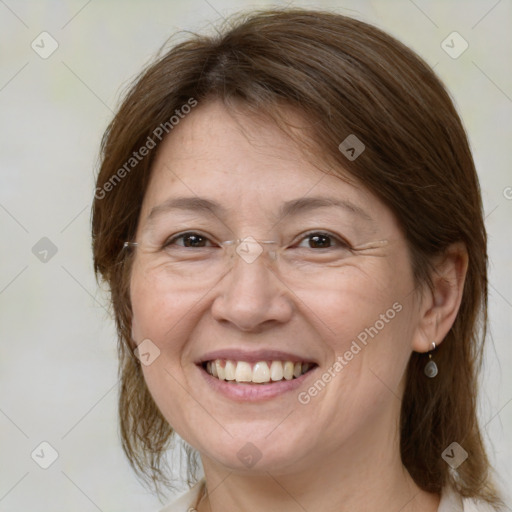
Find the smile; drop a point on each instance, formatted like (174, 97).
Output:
(260, 372)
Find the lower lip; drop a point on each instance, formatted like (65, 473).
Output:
(245, 392)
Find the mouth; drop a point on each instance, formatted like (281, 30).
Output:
(259, 372)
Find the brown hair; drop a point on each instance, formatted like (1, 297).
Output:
(345, 77)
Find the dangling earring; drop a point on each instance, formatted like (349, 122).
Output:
(431, 366)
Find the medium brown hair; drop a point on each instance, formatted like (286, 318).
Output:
(345, 77)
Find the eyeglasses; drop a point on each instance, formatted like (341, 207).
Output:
(201, 265)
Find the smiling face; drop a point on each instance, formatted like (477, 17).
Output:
(338, 302)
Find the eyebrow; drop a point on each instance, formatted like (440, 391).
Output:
(289, 208)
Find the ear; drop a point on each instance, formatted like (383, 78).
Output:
(439, 306)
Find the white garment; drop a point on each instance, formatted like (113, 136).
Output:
(450, 502)
(186, 501)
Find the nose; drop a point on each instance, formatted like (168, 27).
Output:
(252, 296)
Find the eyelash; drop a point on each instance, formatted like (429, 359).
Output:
(341, 242)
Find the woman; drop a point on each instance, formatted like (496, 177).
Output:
(289, 220)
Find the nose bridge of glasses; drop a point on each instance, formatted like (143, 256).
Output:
(249, 249)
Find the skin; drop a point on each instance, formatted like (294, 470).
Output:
(340, 451)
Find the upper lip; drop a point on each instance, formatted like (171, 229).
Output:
(254, 356)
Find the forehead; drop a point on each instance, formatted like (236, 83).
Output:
(235, 141)
(245, 163)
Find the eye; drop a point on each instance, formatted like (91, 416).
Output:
(189, 239)
(315, 239)
(322, 240)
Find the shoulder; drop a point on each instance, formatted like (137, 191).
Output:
(186, 501)
(451, 501)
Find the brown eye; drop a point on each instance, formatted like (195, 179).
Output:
(189, 240)
(319, 240)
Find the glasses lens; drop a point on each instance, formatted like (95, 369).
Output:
(194, 261)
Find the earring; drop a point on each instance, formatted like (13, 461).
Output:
(431, 366)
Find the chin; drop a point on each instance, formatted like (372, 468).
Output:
(260, 454)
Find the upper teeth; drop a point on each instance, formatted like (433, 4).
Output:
(260, 372)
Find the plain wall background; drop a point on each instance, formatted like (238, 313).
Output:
(58, 346)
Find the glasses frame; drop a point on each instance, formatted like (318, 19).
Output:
(249, 256)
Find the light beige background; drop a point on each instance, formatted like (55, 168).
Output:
(57, 351)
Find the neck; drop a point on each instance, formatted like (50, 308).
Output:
(365, 474)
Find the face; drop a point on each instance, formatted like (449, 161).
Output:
(316, 330)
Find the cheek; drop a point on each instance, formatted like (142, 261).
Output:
(368, 300)
(165, 319)
(370, 347)
(367, 325)
(157, 311)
